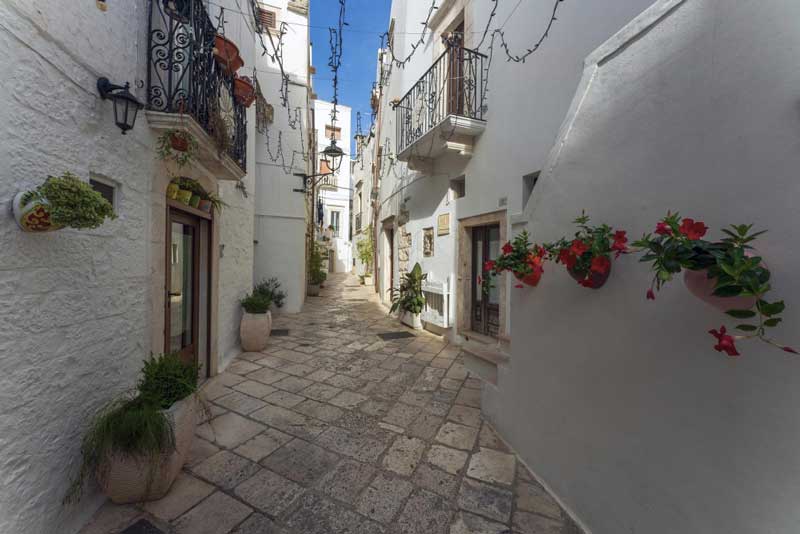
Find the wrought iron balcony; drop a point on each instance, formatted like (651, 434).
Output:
(184, 79)
(444, 110)
(329, 181)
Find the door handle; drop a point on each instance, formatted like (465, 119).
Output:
(174, 294)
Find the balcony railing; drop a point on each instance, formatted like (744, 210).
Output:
(453, 85)
(183, 76)
(358, 222)
(329, 182)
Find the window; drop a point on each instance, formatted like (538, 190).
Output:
(106, 190)
(458, 188)
(323, 166)
(528, 183)
(331, 132)
(268, 19)
(335, 215)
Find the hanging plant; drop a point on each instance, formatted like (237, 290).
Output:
(737, 277)
(219, 131)
(226, 53)
(59, 202)
(178, 146)
(244, 91)
(519, 257)
(587, 257)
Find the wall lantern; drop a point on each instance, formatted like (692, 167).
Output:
(333, 156)
(125, 104)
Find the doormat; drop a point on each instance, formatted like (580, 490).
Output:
(386, 336)
(142, 526)
(280, 332)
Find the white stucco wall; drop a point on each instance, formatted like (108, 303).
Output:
(619, 404)
(76, 306)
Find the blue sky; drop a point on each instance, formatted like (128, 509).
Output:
(367, 20)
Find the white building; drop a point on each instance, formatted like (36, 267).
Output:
(82, 309)
(282, 145)
(461, 140)
(334, 191)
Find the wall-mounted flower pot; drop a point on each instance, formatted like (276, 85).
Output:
(596, 280)
(227, 54)
(194, 201)
(530, 279)
(33, 216)
(184, 196)
(411, 319)
(205, 205)
(254, 330)
(179, 142)
(172, 191)
(131, 478)
(244, 91)
(313, 290)
(701, 286)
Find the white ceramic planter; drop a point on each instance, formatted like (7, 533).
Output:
(411, 319)
(254, 331)
(313, 290)
(368, 280)
(128, 479)
(34, 216)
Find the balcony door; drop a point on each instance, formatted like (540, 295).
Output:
(455, 72)
(485, 313)
(187, 282)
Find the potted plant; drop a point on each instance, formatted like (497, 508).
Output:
(215, 203)
(316, 273)
(172, 190)
(409, 298)
(219, 131)
(59, 202)
(226, 53)
(194, 200)
(587, 256)
(366, 252)
(136, 446)
(184, 196)
(177, 145)
(726, 274)
(256, 322)
(518, 257)
(271, 288)
(244, 91)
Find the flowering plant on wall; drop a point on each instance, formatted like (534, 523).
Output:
(518, 257)
(587, 256)
(726, 274)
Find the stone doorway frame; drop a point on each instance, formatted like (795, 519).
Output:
(464, 300)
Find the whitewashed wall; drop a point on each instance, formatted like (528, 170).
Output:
(75, 306)
(619, 404)
(281, 211)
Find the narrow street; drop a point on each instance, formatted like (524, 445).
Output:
(335, 430)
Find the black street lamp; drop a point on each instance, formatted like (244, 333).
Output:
(333, 156)
(125, 104)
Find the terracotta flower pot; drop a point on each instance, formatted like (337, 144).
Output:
(128, 479)
(172, 191)
(414, 320)
(194, 201)
(244, 91)
(596, 280)
(205, 205)
(179, 142)
(226, 53)
(34, 216)
(254, 331)
(531, 279)
(184, 196)
(701, 286)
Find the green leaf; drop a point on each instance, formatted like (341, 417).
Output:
(728, 291)
(747, 328)
(741, 314)
(772, 322)
(772, 309)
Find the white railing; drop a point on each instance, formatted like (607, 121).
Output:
(437, 303)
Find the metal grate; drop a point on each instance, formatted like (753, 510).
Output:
(280, 332)
(387, 336)
(142, 526)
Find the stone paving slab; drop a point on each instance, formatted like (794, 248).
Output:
(331, 430)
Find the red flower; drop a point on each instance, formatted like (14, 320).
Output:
(519, 286)
(507, 248)
(620, 238)
(488, 265)
(567, 258)
(724, 342)
(790, 349)
(663, 228)
(578, 248)
(600, 264)
(586, 282)
(480, 279)
(650, 294)
(693, 230)
(540, 251)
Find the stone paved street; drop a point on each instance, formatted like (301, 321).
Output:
(332, 430)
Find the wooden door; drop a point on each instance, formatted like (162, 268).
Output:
(455, 72)
(182, 285)
(485, 313)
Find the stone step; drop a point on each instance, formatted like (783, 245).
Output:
(483, 359)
